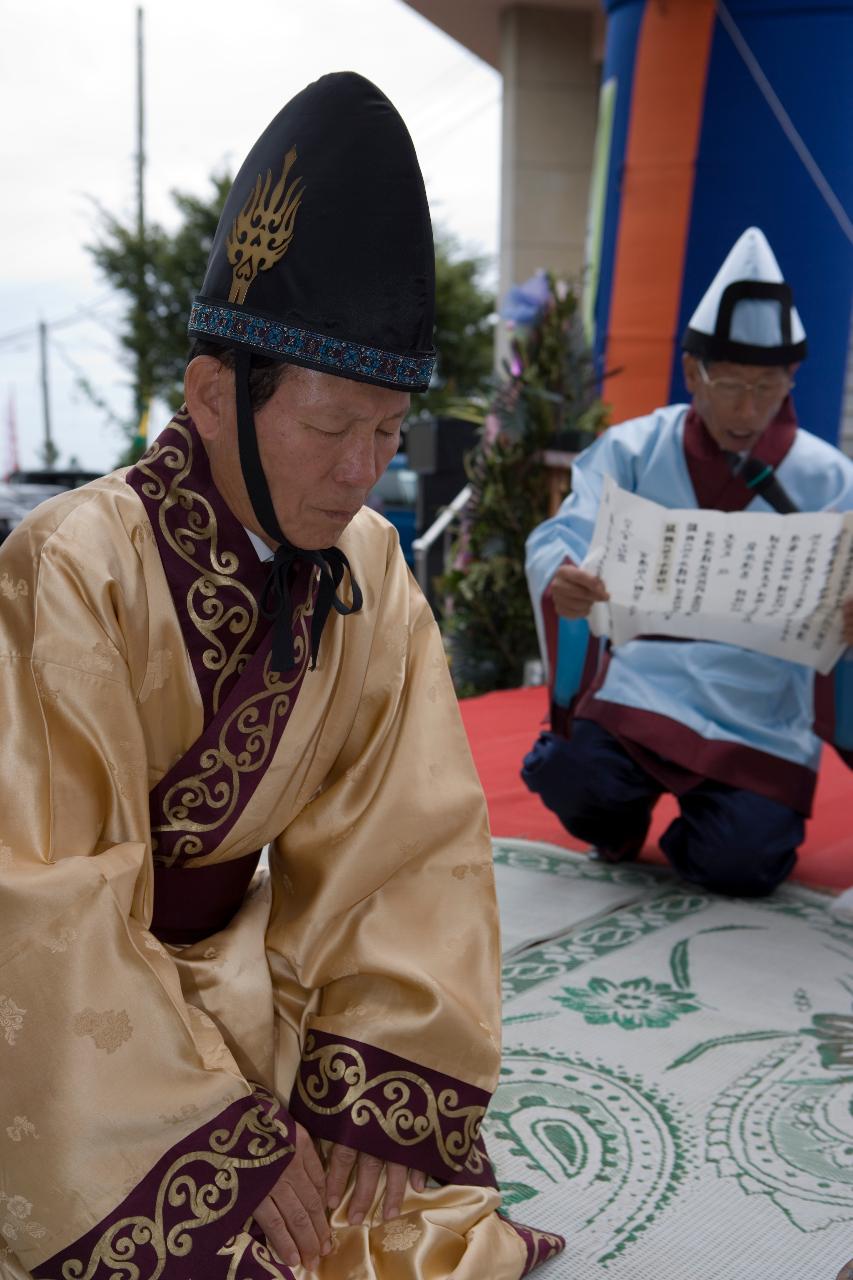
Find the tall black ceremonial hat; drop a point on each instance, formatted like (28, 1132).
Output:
(323, 256)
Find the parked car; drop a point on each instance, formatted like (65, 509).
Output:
(26, 489)
(395, 496)
(11, 511)
(55, 478)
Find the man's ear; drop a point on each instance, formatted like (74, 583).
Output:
(205, 383)
(690, 371)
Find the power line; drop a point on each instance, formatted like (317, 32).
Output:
(84, 313)
(31, 331)
(463, 120)
(463, 72)
(445, 105)
(83, 380)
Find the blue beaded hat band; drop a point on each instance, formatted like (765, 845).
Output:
(236, 326)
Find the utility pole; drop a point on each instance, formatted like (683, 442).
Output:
(50, 451)
(140, 123)
(142, 375)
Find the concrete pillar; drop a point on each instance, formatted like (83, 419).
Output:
(551, 76)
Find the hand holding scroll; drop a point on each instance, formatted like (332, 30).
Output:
(775, 584)
(574, 591)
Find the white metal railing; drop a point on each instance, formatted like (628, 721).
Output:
(441, 526)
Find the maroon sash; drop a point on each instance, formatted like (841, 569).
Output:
(216, 581)
(717, 487)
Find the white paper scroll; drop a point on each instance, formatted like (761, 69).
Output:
(766, 582)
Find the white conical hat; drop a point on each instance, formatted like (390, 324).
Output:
(747, 315)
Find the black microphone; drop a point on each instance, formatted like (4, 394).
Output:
(760, 477)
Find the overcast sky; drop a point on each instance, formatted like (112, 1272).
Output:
(216, 73)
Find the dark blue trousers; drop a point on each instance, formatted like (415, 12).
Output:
(726, 839)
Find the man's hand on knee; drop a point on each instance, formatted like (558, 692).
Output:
(574, 592)
(345, 1162)
(293, 1215)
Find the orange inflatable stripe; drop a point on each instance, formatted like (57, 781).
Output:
(657, 196)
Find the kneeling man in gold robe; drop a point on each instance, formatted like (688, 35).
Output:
(211, 1071)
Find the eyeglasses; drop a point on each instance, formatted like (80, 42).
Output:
(730, 390)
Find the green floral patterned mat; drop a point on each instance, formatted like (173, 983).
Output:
(677, 1091)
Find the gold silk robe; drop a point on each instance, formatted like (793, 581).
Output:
(149, 1088)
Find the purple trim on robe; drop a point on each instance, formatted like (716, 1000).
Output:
(216, 582)
(194, 1200)
(730, 762)
(195, 804)
(359, 1095)
(824, 714)
(540, 1245)
(716, 486)
(213, 572)
(551, 627)
(824, 706)
(254, 1259)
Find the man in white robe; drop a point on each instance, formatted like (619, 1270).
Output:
(735, 735)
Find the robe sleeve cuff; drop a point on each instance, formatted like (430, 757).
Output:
(197, 1197)
(541, 1246)
(366, 1098)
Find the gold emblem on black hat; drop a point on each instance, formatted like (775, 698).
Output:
(263, 229)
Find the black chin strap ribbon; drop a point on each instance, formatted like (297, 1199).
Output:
(277, 602)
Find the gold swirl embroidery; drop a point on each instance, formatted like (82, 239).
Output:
(11, 1019)
(102, 659)
(109, 1030)
(20, 1128)
(245, 1248)
(208, 614)
(157, 672)
(17, 1210)
(187, 1112)
(10, 589)
(262, 231)
(118, 1247)
(400, 1236)
(217, 788)
(554, 1244)
(403, 1117)
(61, 940)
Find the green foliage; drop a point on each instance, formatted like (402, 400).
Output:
(159, 275)
(464, 330)
(545, 401)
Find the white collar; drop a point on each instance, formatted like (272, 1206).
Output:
(264, 552)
